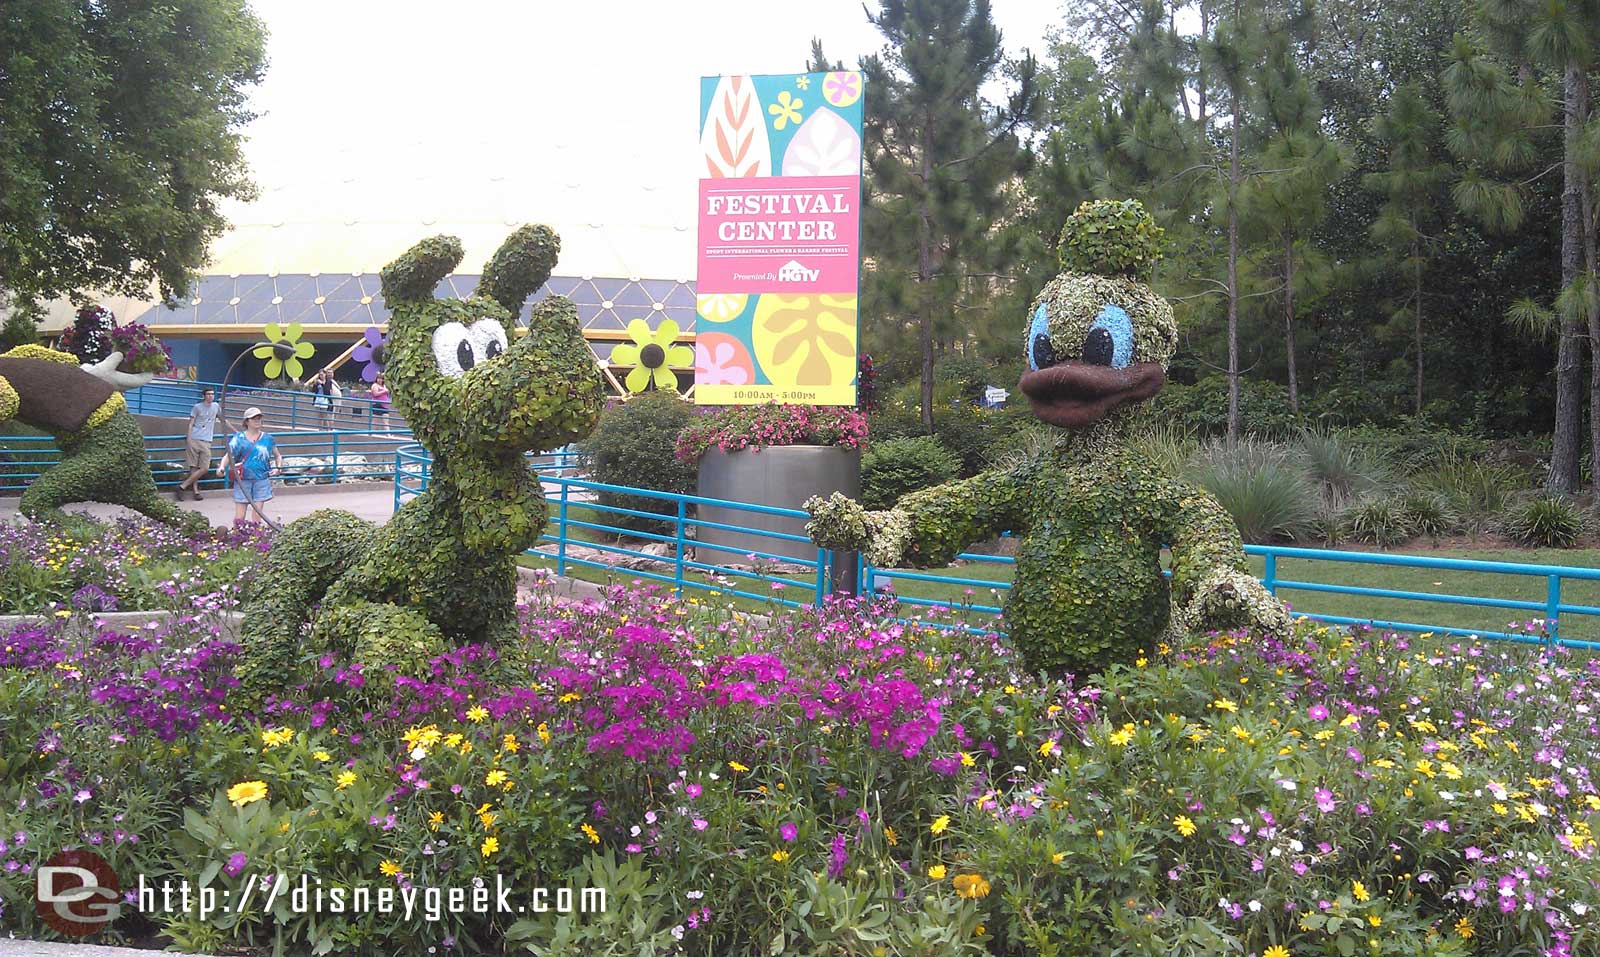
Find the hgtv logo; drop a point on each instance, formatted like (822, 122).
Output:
(792, 271)
(78, 893)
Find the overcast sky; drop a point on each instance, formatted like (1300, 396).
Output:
(459, 111)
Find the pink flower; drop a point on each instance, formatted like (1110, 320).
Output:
(1317, 712)
(1325, 802)
(701, 824)
(789, 831)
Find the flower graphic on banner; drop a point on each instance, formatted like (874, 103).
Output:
(806, 340)
(283, 350)
(651, 354)
(734, 139)
(721, 359)
(841, 89)
(370, 351)
(720, 307)
(786, 110)
(824, 145)
(802, 82)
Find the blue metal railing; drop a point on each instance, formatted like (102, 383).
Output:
(345, 455)
(568, 493)
(284, 408)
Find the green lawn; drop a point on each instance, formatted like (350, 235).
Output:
(1422, 580)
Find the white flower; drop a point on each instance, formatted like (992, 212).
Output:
(1296, 846)
(677, 932)
(1255, 905)
(417, 754)
(1580, 908)
(1447, 796)
(1287, 784)
(695, 895)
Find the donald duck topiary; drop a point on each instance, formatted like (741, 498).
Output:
(1093, 515)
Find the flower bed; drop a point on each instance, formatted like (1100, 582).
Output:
(754, 426)
(131, 565)
(828, 781)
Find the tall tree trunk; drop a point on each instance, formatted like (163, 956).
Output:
(1288, 318)
(925, 280)
(1565, 468)
(1416, 313)
(1200, 70)
(1233, 266)
(1593, 305)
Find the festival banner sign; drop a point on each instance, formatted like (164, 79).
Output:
(779, 239)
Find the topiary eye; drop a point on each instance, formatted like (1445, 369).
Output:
(1040, 350)
(1110, 339)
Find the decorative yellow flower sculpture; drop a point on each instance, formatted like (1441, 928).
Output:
(651, 354)
(283, 350)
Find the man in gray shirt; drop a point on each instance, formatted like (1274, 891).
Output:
(197, 455)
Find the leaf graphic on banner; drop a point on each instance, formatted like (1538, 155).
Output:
(806, 340)
(734, 139)
(825, 145)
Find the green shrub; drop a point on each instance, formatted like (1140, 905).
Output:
(1202, 408)
(1262, 485)
(1430, 514)
(1546, 522)
(1343, 470)
(1381, 521)
(633, 445)
(893, 468)
(1475, 489)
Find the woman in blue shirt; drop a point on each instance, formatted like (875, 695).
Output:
(256, 457)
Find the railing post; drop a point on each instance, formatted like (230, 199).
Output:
(561, 531)
(822, 574)
(678, 575)
(336, 457)
(397, 480)
(1552, 610)
(1269, 573)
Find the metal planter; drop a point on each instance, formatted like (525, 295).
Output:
(781, 476)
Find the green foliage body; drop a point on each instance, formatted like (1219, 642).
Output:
(102, 462)
(1093, 514)
(634, 444)
(442, 570)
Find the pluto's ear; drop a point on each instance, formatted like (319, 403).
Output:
(415, 273)
(521, 265)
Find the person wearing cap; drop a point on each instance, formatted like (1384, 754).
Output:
(197, 456)
(256, 456)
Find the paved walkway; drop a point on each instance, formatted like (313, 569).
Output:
(370, 500)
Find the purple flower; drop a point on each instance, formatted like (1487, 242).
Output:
(1317, 712)
(789, 831)
(693, 790)
(1325, 802)
(838, 857)
(236, 863)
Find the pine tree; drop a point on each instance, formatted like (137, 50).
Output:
(939, 157)
(1288, 198)
(1535, 41)
(1411, 181)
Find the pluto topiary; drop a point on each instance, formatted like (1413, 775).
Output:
(102, 448)
(443, 569)
(1092, 514)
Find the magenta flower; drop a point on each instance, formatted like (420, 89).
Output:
(1317, 712)
(789, 831)
(1325, 802)
(236, 863)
